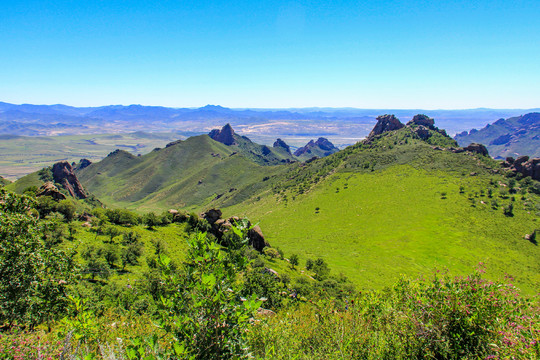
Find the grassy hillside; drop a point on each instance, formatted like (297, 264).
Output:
(188, 174)
(377, 211)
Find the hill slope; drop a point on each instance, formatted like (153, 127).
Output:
(398, 205)
(192, 173)
(511, 137)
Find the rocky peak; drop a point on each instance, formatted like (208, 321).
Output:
(422, 120)
(83, 163)
(384, 124)
(281, 144)
(322, 147)
(63, 174)
(224, 136)
(324, 144)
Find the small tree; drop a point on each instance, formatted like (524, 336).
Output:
(151, 220)
(293, 259)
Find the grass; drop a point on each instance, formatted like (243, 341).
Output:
(374, 226)
(191, 174)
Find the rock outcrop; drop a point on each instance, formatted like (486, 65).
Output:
(477, 148)
(422, 120)
(63, 174)
(48, 189)
(524, 166)
(83, 163)
(219, 227)
(281, 144)
(384, 124)
(474, 148)
(224, 136)
(322, 147)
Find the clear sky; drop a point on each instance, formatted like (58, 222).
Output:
(366, 54)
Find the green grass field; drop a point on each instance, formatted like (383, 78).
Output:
(375, 226)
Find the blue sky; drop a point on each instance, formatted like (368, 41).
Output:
(366, 54)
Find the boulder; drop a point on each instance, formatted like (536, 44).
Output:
(211, 215)
(256, 238)
(384, 124)
(477, 148)
(63, 174)
(49, 189)
(224, 136)
(525, 166)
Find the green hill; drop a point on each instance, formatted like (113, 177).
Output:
(400, 206)
(511, 137)
(403, 201)
(188, 174)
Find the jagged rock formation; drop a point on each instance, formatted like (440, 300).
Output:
(281, 144)
(63, 174)
(219, 227)
(524, 165)
(224, 136)
(322, 147)
(48, 189)
(384, 124)
(422, 120)
(83, 163)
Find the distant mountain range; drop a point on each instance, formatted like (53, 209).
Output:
(511, 137)
(345, 125)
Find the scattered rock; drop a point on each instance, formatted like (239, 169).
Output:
(220, 227)
(525, 166)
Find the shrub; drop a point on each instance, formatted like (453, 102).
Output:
(271, 252)
(202, 309)
(28, 294)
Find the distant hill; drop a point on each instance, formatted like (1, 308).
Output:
(511, 137)
(341, 123)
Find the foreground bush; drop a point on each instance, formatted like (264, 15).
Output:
(443, 318)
